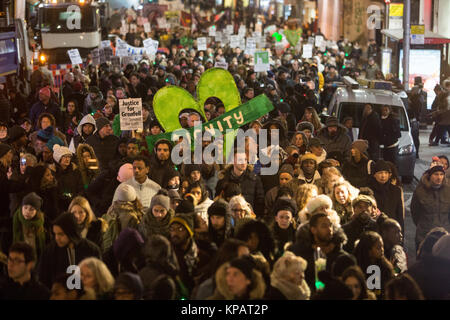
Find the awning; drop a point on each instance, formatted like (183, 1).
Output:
(430, 37)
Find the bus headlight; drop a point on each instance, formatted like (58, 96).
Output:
(42, 58)
(405, 150)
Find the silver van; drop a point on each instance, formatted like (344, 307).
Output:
(349, 101)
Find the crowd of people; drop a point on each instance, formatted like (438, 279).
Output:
(77, 191)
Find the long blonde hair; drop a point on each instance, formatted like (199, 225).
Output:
(103, 277)
(84, 204)
(304, 194)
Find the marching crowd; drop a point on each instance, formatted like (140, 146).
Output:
(76, 190)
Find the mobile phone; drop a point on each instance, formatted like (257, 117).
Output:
(23, 161)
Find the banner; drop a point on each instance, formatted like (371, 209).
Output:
(105, 44)
(122, 49)
(74, 56)
(130, 114)
(151, 46)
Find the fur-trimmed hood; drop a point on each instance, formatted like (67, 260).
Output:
(425, 181)
(222, 292)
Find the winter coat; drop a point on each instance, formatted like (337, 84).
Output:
(282, 237)
(69, 184)
(39, 108)
(355, 228)
(389, 200)
(257, 290)
(430, 208)
(390, 128)
(7, 187)
(282, 289)
(30, 290)
(156, 276)
(250, 184)
(5, 109)
(202, 209)
(32, 230)
(158, 170)
(68, 126)
(87, 175)
(55, 260)
(105, 148)
(150, 226)
(340, 143)
(344, 211)
(357, 173)
(370, 129)
(79, 136)
(95, 232)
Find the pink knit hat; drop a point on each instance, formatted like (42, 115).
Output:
(125, 172)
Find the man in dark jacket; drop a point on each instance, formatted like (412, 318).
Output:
(104, 143)
(67, 249)
(334, 138)
(390, 127)
(44, 105)
(370, 130)
(160, 161)
(251, 185)
(21, 284)
(430, 204)
(219, 226)
(357, 170)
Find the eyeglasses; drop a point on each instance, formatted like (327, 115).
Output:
(176, 229)
(15, 261)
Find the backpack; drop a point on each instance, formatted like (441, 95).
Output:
(112, 232)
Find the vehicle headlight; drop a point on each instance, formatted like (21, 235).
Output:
(405, 150)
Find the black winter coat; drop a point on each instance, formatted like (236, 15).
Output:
(370, 128)
(356, 173)
(354, 229)
(100, 192)
(390, 131)
(251, 186)
(105, 149)
(70, 184)
(55, 260)
(31, 290)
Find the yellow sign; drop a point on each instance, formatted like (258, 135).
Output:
(396, 10)
(418, 29)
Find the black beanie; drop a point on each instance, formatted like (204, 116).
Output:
(4, 148)
(16, 132)
(191, 168)
(285, 204)
(219, 208)
(66, 221)
(185, 206)
(101, 122)
(245, 264)
(381, 165)
(33, 200)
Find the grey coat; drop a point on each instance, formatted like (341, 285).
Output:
(430, 208)
(340, 143)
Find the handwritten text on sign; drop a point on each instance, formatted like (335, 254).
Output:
(130, 114)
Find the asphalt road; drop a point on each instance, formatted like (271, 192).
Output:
(422, 164)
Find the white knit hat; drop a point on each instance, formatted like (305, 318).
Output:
(59, 152)
(318, 202)
(125, 192)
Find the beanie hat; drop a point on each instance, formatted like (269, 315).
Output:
(442, 247)
(191, 168)
(308, 156)
(332, 122)
(285, 204)
(364, 198)
(101, 122)
(381, 165)
(53, 142)
(245, 264)
(66, 221)
(132, 282)
(435, 166)
(318, 202)
(283, 107)
(45, 134)
(219, 208)
(4, 149)
(162, 200)
(128, 240)
(125, 172)
(361, 145)
(186, 220)
(16, 132)
(174, 195)
(59, 152)
(286, 168)
(45, 91)
(305, 125)
(33, 200)
(314, 142)
(185, 206)
(125, 192)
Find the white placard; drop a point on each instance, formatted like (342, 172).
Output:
(250, 46)
(162, 23)
(234, 41)
(262, 61)
(130, 114)
(212, 31)
(318, 41)
(105, 44)
(229, 29)
(258, 27)
(221, 64)
(307, 51)
(122, 49)
(201, 44)
(151, 46)
(74, 56)
(242, 31)
(323, 46)
(95, 57)
(242, 43)
(147, 27)
(218, 36)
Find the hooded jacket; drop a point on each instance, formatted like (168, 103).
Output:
(105, 148)
(340, 143)
(222, 292)
(80, 137)
(158, 169)
(430, 208)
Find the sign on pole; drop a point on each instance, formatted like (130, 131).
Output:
(74, 56)
(262, 61)
(417, 34)
(396, 16)
(130, 114)
(201, 44)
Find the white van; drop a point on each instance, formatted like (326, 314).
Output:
(349, 101)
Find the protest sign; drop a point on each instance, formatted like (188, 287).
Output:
(130, 114)
(147, 27)
(318, 41)
(234, 41)
(221, 64)
(212, 31)
(75, 57)
(229, 29)
(115, 61)
(307, 51)
(262, 61)
(201, 44)
(151, 46)
(95, 56)
(108, 53)
(102, 56)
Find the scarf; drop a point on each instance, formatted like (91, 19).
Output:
(290, 290)
(153, 226)
(36, 224)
